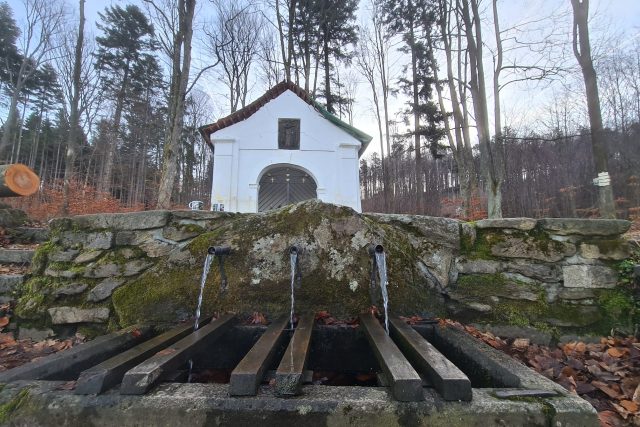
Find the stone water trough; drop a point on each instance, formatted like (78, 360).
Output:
(424, 374)
(137, 274)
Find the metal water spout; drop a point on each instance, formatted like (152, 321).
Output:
(220, 252)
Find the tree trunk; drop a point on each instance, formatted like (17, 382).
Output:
(17, 180)
(74, 119)
(416, 123)
(479, 96)
(177, 95)
(582, 51)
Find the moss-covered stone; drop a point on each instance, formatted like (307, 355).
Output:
(7, 409)
(334, 262)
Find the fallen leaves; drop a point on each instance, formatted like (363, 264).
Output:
(605, 373)
(14, 352)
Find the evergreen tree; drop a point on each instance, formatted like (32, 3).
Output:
(413, 20)
(124, 56)
(9, 33)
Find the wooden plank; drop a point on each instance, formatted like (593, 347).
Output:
(446, 378)
(246, 377)
(290, 372)
(70, 362)
(101, 377)
(405, 383)
(143, 377)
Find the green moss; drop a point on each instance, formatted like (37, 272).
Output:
(41, 256)
(7, 409)
(481, 248)
(618, 306)
(191, 228)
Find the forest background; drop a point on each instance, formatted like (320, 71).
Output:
(115, 108)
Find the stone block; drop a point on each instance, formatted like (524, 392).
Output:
(541, 272)
(69, 315)
(104, 289)
(531, 248)
(468, 234)
(16, 256)
(582, 316)
(31, 234)
(96, 240)
(616, 250)
(10, 217)
(65, 274)
(69, 290)
(477, 306)
(88, 256)
(478, 266)
(156, 248)
(137, 266)
(9, 282)
(585, 227)
(524, 224)
(63, 255)
(102, 270)
(125, 238)
(122, 221)
(589, 276)
(34, 334)
(576, 293)
(198, 215)
(179, 234)
(442, 231)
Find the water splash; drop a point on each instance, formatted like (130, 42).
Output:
(381, 262)
(196, 324)
(293, 258)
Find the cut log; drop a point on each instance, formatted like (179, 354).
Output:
(17, 180)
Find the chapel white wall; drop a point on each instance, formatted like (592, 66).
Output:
(244, 150)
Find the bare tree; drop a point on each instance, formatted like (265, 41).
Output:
(175, 18)
(234, 40)
(43, 21)
(74, 117)
(582, 52)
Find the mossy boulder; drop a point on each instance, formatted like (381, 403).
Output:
(334, 261)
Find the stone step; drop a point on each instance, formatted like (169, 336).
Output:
(30, 235)
(9, 282)
(16, 256)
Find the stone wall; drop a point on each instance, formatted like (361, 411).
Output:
(112, 270)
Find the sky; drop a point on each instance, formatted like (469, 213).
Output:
(613, 22)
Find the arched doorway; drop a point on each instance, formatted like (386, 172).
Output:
(285, 184)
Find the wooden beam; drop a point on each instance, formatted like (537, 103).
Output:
(405, 383)
(101, 377)
(143, 377)
(17, 180)
(69, 363)
(246, 377)
(290, 372)
(446, 378)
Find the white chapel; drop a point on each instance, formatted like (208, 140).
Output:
(283, 148)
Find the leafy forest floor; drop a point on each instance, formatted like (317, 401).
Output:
(605, 373)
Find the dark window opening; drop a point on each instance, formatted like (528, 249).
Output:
(289, 134)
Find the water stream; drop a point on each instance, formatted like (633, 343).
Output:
(293, 257)
(381, 262)
(205, 272)
(203, 280)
